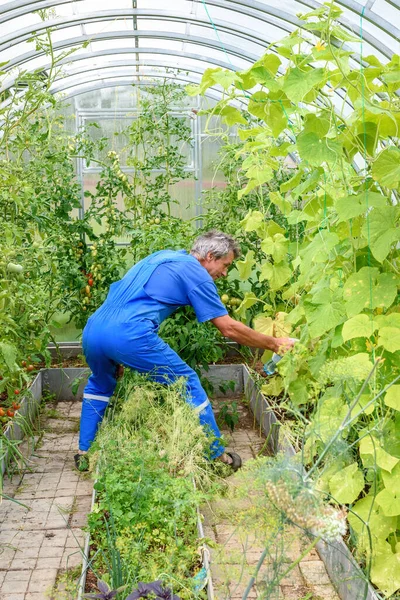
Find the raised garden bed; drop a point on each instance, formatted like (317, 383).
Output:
(343, 570)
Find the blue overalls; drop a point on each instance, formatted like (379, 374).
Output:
(124, 331)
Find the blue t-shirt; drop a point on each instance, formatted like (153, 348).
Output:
(186, 283)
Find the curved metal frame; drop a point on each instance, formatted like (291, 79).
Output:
(162, 35)
(102, 53)
(64, 84)
(82, 89)
(250, 8)
(115, 15)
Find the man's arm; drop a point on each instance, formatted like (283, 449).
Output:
(240, 333)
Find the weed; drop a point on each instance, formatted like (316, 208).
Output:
(229, 414)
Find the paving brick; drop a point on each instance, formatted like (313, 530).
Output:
(49, 562)
(314, 572)
(54, 539)
(324, 592)
(71, 558)
(16, 582)
(75, 539)
(23, 563)
(294, 577)
(293, 592)
(11, 596)
(42, 580)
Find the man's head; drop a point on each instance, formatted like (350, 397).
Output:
(215, 251)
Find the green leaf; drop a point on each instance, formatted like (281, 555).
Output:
(347, 485)
(297, 216)
(379, 525)
(258, 104)
(9, 353)
(298, 391)
(382, 231)
(263, 324)
(392, 397)
(385, 290)
(274, 387)
(316, 150)
(277, 274)
(319, 248)
(389, 503)
(358, 326)
(368, 289)
(248, 301)
(316, 124)
(225, 78)
(385, 572)
(392, 480)
(260, 174)
(354, 206)
(232, 116)
(386, 168)
(252, 221)
(329, 416)
(324, 317)
(284, 205)
(277, 246)
(245, 266)
(291, 183)
(389, 338)
(298, 82)
(371, 453)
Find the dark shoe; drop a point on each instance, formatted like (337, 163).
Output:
(81, 462)
(236, 461)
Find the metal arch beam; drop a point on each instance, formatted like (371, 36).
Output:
(110, 15)
(162, 35)
(251, 8)
(132, 63)
(111, 51)
(383, 24)
(120, 80)
(360, 10)
(107, 84)
(65, 84)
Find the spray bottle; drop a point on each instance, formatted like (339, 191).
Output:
(270, 366)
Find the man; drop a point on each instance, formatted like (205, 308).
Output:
(123, 331)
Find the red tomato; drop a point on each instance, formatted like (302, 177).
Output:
(30, 368)
(90, 282)
(16, 392)
(2, 412)
(10, 413)
(23, 363)
(16, 406)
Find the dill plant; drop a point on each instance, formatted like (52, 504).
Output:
(148, 452)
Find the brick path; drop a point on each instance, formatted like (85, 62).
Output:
(239, 545)
(39, 544)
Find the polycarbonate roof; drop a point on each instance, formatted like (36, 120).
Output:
(129, 40)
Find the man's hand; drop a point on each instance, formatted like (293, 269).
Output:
(283, 344)
(240, 333)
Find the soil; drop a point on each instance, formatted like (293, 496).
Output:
(91, 581)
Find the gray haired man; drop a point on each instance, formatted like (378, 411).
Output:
(123, 331)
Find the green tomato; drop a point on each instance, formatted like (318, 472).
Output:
(225, 298)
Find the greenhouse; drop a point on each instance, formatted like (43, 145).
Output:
(199, 300)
